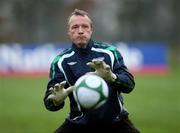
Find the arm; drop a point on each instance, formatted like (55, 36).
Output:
(118, 77)
(55, 76)
(125, 81)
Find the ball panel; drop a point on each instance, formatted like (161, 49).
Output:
(91, 91)
(87, 98)
(93, 81)
(105, 91)
(79, 81)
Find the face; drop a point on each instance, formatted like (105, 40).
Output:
(80, 30)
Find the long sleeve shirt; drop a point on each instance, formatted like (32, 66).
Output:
(71, 64)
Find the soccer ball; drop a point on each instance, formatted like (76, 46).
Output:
(91, 91)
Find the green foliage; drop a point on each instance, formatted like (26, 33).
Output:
(153, 105)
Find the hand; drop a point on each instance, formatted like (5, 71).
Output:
(59, 93)
(103, 70)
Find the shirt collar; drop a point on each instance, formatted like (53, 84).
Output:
(83, 50)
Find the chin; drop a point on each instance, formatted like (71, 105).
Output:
(82, 45)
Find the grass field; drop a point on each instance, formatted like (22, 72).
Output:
(154, 105)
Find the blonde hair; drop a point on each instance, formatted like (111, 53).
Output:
(78, 12)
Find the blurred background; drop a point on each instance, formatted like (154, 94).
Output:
(128, 20)
(147, 33)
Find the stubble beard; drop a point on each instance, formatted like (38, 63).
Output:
(82, 43)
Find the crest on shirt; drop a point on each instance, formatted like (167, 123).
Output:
(72, 63)
(99, 58)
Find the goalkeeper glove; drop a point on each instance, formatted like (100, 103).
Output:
(59, 93)
(103, 70)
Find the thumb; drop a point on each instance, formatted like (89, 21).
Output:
(91, 73)
(91, 64)
(51, 96)
(107, 67)
(69, 89)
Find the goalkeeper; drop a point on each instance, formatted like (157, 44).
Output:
(87, 56)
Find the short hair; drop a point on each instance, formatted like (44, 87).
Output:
(78, 12)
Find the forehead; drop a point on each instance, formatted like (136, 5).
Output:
(77, 19)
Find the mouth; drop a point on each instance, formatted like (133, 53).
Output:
(81, 37)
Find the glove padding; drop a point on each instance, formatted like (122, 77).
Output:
(59, 93)
(103, 70)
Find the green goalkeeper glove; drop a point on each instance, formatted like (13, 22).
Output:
(103, 70)
(59, 93)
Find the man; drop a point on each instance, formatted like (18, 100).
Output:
(87, 56)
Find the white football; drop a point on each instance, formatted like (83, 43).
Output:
(91, 91)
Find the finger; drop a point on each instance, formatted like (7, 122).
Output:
(97, 62)
(100, 64)
(107, 68)
(70, 89)
(92, 73)
(52, 90)
(62, 84)
(91, 64)
(56, 87)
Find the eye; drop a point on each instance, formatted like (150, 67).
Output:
(85, 26)
(74, 27)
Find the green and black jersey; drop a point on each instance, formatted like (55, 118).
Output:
(71, 64)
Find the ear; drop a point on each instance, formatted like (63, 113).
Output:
(91, 31)
(68, 31)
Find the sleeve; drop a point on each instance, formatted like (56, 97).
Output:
(125, 81)
(55, 76)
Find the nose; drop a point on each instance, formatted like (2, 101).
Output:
(80, 30)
